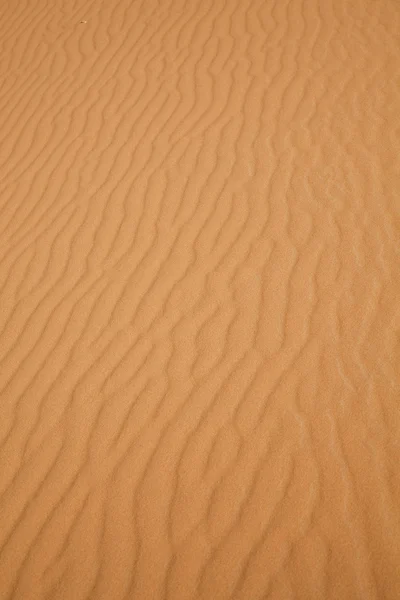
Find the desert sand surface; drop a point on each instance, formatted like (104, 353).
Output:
(200, 300)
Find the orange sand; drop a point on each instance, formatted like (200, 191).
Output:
(199, 300)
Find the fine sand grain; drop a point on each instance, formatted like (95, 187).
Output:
(199, 300)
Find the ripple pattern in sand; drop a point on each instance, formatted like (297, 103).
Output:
(199, 300)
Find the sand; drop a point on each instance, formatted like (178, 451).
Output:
(199, 300)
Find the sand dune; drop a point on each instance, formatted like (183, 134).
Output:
(199, 300)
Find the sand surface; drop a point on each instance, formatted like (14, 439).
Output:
(199, 300)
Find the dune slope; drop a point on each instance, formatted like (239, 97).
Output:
(199, 300)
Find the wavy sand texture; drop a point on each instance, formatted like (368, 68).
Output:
(199, 305)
